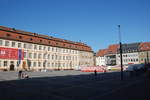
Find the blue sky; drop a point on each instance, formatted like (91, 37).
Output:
(93, 22)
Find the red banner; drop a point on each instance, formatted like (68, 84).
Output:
(92, 69)
(10, 53)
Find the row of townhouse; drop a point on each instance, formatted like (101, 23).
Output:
(132, 53)
(26, 50)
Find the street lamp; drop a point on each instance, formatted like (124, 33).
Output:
(147, 58)
(120, 51)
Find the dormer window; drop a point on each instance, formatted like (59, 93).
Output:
(20, 37)
(31, 39)
(8, 35)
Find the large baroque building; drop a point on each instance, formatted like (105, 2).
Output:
(32, 51)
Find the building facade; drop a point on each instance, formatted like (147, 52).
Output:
(144, 54)
(132, 53)
(32, 51)
(111, 55)
(107, 56)
(101, 58)
(129, 54)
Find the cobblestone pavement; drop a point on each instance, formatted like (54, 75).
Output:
(66, 85)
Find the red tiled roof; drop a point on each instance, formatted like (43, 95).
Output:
(113, 48)
(14, 34)
(101, 52)
(145, 46)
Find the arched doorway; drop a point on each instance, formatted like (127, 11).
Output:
(12, 66)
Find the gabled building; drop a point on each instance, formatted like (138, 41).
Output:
(144, 54)
(111, 54)
(129, 54)
(100, 57)
(107, 56)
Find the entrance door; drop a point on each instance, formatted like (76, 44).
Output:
(12, 67)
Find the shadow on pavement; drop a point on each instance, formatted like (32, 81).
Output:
(72, 87)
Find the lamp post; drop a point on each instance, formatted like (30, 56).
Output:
(120, 51)
(147, 58)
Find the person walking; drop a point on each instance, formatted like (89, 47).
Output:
(20, 74)
(95, 73)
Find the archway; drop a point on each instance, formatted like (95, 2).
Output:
(12, 67)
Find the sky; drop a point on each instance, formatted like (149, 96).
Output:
(94, 22)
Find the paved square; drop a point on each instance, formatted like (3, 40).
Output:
(60, 85)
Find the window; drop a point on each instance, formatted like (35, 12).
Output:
(63, 50)
(35, 55)
(34, 64)
(39, 56)
(25, 46)
(1, 42)
(52, 57)
(13, 44)
(48, 56)
(39, 64)
(25, 55)
(48, 64)
(141, 59)
(12, 62)
(6, 43)
(52, 64)
(5, 63)
(30, 46)
(52, 49)
(20, 37)
(44, 56)
(63, 57)
(40, 47)
(63, 64)
(55, 57)
(56, 65)
(48, 48)
(8, 35)
(31, 39)
(59, 57)
(35, 46)
(30, 55)
(44, 48)
(0, 63)
(19, 45)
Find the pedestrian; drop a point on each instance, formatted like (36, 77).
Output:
(104, 70)
(26, 76)
(95, 73)
(20, 74)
